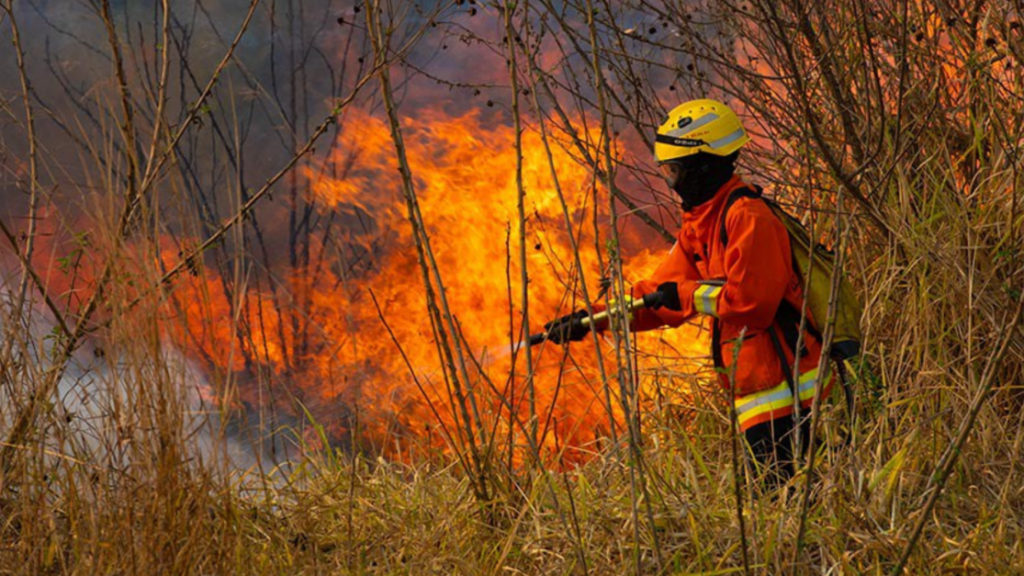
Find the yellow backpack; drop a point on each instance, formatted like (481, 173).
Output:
(812, 259)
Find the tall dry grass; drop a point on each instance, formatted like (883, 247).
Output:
(904, 115)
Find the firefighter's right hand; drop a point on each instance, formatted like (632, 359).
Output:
(666, 296)
(568, 328)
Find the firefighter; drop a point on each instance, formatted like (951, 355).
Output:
(746, 284)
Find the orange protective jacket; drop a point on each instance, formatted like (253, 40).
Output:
(757, 270)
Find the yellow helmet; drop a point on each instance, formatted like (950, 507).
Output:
(699, 126)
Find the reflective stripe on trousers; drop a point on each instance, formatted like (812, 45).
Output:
(775, 402)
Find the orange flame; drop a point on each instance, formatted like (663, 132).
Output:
(327, 338)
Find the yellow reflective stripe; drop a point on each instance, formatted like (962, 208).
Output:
(727, 139)
(764, 409)
(751, 401)
(753, 405)
(776, 398)
(807, 382)
(699, 123)
(705, 299)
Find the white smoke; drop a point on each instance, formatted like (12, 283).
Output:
(93, 411)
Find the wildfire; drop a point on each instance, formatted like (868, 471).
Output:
(336, 352)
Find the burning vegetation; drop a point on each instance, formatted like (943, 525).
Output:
(351, 334)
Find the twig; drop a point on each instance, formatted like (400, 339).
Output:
(824, 363)
(574, 244)
(153, 167)
(937, 481)
(437, 303)
(33, 175)
(452, 440)
(734, 445)
(524, 278)
(628, 385)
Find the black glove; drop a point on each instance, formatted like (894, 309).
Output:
(666, 296)
(568, 328)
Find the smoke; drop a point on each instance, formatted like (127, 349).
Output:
(103, 390)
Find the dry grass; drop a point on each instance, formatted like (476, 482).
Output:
(141, 498)
(110, 465)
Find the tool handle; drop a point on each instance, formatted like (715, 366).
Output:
(647, 301)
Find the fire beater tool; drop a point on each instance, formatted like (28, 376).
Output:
(652, 300)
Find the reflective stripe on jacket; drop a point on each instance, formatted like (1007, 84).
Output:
(756, 273)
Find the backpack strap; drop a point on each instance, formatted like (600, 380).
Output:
(789, 331)
(787, 316)
(788, 319)
(744, 192)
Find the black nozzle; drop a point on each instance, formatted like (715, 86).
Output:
(653, 300)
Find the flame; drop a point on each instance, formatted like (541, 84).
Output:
(340, 357)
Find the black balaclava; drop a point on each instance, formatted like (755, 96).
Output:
(703, 175)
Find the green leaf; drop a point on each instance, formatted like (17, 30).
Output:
(889, 472)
